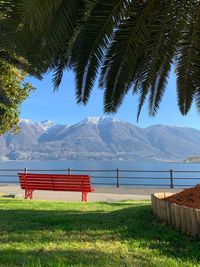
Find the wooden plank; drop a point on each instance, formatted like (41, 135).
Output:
(159, 208)
(80, 189)
(168, 210)
(188, 221)
(156, 206)
(183, 220)
(162, 210)
(46, 174)
(164, 207)
(54, 175)
(56, 183)
(61, 188)
(173, 220)
(56, 180)
(195, 222)
(156, 195)
(161, 195)
(168, 194)
(177, 216)
(153, 203)
(198, 218)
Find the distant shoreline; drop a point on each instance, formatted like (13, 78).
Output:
(94, 160)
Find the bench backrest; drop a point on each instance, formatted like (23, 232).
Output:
(55, 182)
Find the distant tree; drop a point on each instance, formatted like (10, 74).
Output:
(13, 91)
(130, 44)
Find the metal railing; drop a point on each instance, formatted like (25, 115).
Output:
(119, 177)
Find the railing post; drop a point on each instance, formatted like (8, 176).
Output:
(171, 178)
(117, 170)
(69, 170)
(25, 170)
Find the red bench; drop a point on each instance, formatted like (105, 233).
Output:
(55, 182)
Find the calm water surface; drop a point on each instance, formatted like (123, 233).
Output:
(107, 174)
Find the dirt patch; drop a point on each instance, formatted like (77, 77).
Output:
(189, 197)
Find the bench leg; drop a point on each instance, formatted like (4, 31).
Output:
(28, 194)
(84, 196)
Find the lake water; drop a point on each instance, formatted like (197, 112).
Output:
(104, 173)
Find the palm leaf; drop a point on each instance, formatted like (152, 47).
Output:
(132, 44)
(127, 48)
(159, 55)
(188, 62)
(92, 42)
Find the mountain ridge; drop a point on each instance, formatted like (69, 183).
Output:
(99, 138)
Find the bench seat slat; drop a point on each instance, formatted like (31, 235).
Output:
(60, 189)
(56, 183)
(56, 186)
(54, 175)
(56, 180)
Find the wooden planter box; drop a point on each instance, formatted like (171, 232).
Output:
(182, 218)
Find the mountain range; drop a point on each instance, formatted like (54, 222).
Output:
(97, 138)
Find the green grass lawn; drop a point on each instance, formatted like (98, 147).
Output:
(41, 233)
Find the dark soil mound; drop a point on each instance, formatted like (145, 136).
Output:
(189, 197)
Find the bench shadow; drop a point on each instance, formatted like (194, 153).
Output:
(135, 222)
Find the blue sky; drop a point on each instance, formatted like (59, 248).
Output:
(61, 106)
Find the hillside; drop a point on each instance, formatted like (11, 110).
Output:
(192, 160)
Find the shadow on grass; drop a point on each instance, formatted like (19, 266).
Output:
(130, 224)
(71, 258)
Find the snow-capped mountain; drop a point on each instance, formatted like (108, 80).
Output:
(98, 120)
(99, 138)
(47, 124)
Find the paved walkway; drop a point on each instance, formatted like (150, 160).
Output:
(100, 194)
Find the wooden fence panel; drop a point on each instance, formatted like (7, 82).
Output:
(180, 217)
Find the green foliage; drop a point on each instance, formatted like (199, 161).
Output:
(13, 91)
(133, 44)
(13, 69)
(44, 233)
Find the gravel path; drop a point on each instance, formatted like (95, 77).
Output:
(100, 194)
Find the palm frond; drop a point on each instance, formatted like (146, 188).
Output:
(92, 43)
(133, 44)
(164, 35)
(127, 48)
(43, 29)
(188, 62)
